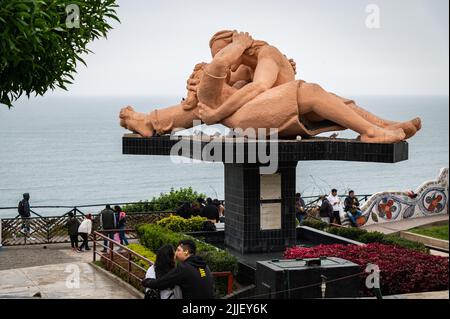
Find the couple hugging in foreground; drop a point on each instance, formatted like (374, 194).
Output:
(251, 85)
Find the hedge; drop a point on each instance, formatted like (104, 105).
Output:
(367, 237)
(144, 252)
(155, 236)
(179, 224)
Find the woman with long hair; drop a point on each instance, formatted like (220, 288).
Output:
(164, 263)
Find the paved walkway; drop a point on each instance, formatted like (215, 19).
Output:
(77, 280)
(423, 295)
(405, 224)
(54, 272)
(36, 255)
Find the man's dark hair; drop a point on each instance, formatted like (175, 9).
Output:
(117, 208)
(201, 200)
(209, 201)
(350, 192)
(216, 202)
(298, 195)
(108, 206)
(188, 245)
(26, 196)
(334, 190)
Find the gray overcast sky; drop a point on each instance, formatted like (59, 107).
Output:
(154, 49)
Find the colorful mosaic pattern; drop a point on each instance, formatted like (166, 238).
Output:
(431, 198)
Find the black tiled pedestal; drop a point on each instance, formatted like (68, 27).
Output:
(243, 199)
(243, 209)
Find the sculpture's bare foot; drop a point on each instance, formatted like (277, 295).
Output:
(379, 135)
(136, 122)
(410, 127)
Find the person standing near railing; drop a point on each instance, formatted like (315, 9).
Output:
(107, 223)
(25, 213)
(85, 230)
(121, 225)
(72, 228)
(335, 201)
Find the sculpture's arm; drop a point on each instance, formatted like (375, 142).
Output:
(230, 54)
(266, 74)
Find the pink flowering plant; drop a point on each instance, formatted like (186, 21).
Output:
(402, 270)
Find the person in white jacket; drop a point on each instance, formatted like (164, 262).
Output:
(335, 201)
(85, 230)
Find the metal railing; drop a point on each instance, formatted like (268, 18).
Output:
(52, 229)
(315, 199)
(125, 259)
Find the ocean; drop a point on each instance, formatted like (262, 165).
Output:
(67, 151)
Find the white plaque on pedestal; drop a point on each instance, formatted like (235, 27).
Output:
(270, 188)
(270, 216)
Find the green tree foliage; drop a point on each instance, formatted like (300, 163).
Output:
(41, 43)
(166, 201)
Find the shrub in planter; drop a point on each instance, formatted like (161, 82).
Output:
(144, 252)
(316, 224)
(366, 237)
(179, 224)
(397, 240)
(402, 270)
(350, 233)
(155, 236)
(371, 237)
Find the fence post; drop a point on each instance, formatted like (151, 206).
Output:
(111, 252)
(230, 284)
(129, 267)
(1, 226)
(94, 244)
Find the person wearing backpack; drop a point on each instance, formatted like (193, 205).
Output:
(25, 212)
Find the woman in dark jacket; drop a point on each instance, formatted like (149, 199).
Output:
(72, 228)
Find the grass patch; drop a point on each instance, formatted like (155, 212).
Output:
(439, 232)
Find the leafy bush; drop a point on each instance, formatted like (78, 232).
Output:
(372, 237)
(38, 50)
(155, 236)
(402, 270)
(179, 224)
(402, 242)
(367, 237)
(165, 202)
(144, 252)
(313, 223)
(350, 233)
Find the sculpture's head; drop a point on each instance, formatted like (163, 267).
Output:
(223, 38)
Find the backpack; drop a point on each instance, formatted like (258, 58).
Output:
(152, 294)
(21, 209)
(208, 226)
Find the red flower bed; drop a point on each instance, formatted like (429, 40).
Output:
(402, 270)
